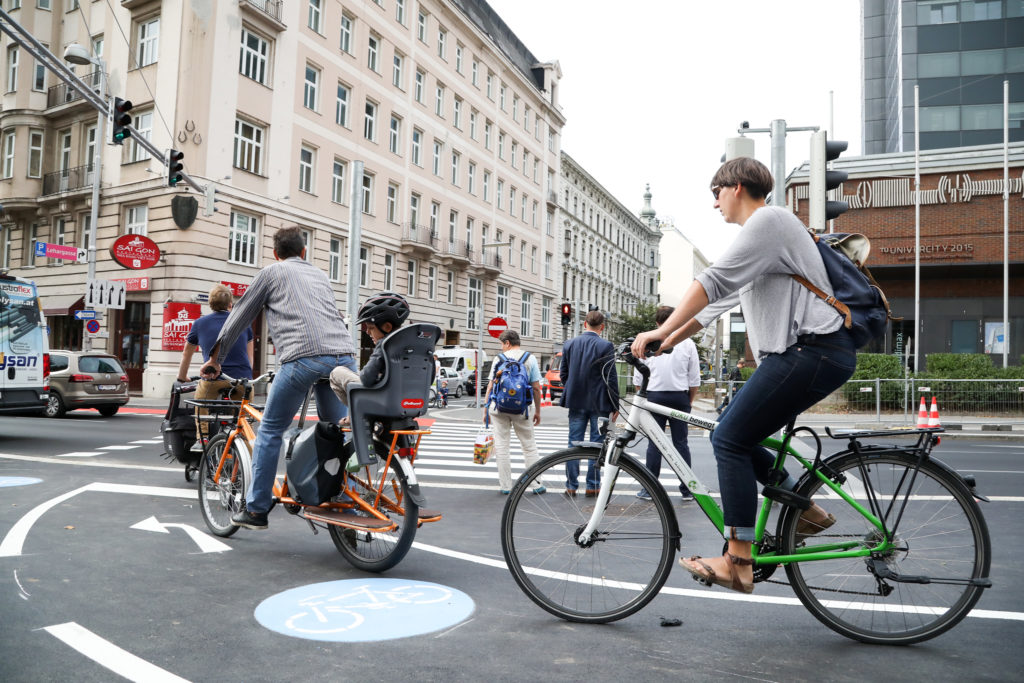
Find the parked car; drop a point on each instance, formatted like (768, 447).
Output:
(84, 379)
(471, 380)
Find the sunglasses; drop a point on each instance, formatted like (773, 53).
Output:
(718, 188)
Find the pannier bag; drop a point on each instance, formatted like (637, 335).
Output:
(316, 463)
(179, 425)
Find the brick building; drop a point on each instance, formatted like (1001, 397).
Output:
(962, 218)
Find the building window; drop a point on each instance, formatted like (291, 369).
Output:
(389, 271)
(395, 134)
(411, 278)
(515, 154)
(453, 224)
(35, 153)
(417, 146)
(341, 109)
(135, 218)
(533, 260)
(421, 27)
(451, 287)
(334, 260)
(437, 157)
(474, 303)
(372, 48)
(442, 43)
(545, 317)
(487, 134)
(472, 123)
(502, 92)
(248, 147)
(526, 315)
(311, 87)
(252, 58)
(8, 158)
(5, 258)
(471, 178)
(400, 11)
(435, 216)
(307, 244)
(458, 57)
(345, 41)
(500, 193)
(367, 193)
(547, 265)
(474, 73)
(149, 41)
(414, 209)
(370, 121)
(396, 72)
(431, 281)
(315, 15)
(242, 239)
(144, 125)
(522, 254)
(487, 186)
(364, 266)
(502, 301)
(515, 108)
(490, 86)
(338, 181)
(456, 159)
(417, 88)
(32, 235)
(457, 113)
(12, 68)
(439, 101)
(307, 161)
(39, 85)
(392, 208)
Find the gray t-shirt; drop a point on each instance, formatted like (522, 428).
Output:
(755, 272)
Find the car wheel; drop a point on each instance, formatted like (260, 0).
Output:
(458, 392)
(108, 411)
(54, 406)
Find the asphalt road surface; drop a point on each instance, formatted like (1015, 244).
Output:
(106, 573)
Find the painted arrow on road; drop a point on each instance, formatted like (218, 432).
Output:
(206, 543)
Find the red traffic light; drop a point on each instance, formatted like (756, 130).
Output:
(566, 309)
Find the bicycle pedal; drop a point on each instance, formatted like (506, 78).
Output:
(786, 497)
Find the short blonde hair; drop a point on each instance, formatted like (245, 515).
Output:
(221, 298)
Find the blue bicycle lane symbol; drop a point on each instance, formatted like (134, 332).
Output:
(361, 610)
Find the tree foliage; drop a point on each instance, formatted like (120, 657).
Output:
(641, 320)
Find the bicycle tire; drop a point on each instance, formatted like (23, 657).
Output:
(941, 534)
(219, 500)
(616, 575)
(379, 551)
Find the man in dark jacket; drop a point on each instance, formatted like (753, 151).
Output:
(591, 390)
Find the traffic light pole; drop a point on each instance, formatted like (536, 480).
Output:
(94, 208)
(778, 132)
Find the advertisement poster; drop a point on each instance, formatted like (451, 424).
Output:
(178, 318)
(994, 338)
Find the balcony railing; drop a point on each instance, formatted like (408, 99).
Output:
(68, 180)
(490, 259)
(458, 249)
(419, 236)
(62, 93)
(272, 8)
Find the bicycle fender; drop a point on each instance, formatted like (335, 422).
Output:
(246, 459)
(410, 479)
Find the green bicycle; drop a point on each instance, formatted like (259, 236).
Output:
(906, 559)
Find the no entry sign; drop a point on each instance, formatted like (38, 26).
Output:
(497, 326)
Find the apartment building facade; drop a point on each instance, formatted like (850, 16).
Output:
(456, 123)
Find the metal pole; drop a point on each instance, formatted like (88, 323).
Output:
(917, 228)
(1006, 221)
(94, 210)
(778, 134)
(480, 331)
(355, 225)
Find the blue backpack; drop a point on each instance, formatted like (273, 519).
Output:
(512, 392)
(856, 295)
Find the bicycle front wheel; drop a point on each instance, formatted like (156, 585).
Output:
(940, 535)
(223, 496)
(379, 551)
(615, 574)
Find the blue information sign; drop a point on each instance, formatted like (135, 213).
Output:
(85, 315)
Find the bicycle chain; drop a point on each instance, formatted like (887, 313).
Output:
(822, 588)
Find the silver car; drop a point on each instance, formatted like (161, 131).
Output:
(80, 379)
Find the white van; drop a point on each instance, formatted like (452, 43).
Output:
(460, 359)
(24, 349)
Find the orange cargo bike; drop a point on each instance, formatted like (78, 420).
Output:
(374, 517)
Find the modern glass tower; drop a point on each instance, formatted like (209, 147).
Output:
(959, 53)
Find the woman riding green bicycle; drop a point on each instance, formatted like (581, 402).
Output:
(802, 349)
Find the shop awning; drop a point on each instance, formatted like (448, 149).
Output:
(63, 304)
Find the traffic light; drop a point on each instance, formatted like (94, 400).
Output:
(566, 314)
(174, 167)
(822, 180)
(122, 119)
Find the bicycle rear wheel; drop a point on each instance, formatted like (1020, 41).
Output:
(220, 498)
(941, 534)
(610, 578)
(379, 551)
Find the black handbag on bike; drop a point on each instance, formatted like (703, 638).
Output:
(315, 463)
(178, 427)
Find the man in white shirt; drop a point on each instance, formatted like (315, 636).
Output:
(675, 381)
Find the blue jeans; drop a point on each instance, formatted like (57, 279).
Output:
(287, 392)
(679, 400)
(784, 385)
(578, 421)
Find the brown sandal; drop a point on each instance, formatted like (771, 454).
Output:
(709, 578)
(807, 527)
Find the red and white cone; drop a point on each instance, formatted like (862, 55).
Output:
(545, 401)
(922, 415)
(933, 418)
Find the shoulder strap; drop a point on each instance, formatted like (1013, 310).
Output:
(835, 303)
(522, 358)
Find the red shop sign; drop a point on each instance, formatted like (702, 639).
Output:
(135, 251)
(178, 319)
(236, 288)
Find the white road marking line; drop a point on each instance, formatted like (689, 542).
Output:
(111, 656)
(79, 454)
(150, 441)
(117, 448)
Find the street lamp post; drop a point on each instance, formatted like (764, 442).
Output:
(480, 319)
(76, 54)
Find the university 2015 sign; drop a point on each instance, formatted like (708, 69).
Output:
(136, 252)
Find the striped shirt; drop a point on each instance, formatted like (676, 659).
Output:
(302, 316)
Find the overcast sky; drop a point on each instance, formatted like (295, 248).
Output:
(650, 95)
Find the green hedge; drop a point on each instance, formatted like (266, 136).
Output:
(877, 366)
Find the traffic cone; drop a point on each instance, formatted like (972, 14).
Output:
(922, 415)
(933, 419)
(545, 400)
